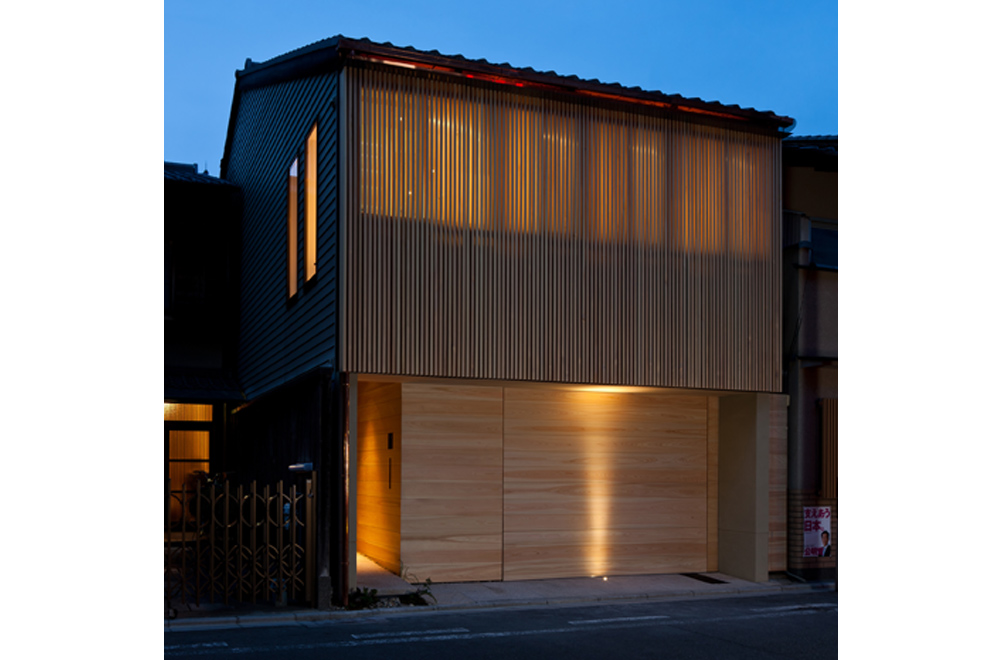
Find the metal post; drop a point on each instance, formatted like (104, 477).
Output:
(310, 523)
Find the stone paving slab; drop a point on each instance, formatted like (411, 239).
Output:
(373, 576)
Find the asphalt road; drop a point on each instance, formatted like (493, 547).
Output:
(800, 625)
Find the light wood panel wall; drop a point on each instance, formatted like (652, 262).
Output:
(379, 484)
(712, 437)
(497, 235)
(452, 505)
(777, 544)
(604, 484)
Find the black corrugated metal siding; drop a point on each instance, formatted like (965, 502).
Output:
(280, 340)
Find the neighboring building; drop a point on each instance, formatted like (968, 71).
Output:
(522, 325)
(201, 219)
(810, 340)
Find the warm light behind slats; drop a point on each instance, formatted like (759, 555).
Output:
(489, 234)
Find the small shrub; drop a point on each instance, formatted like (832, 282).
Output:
(419, 597)
(362, 599)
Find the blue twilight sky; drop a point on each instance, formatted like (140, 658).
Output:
(777, 55)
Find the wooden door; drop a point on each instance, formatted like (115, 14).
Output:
(604, 484)
(452, 494)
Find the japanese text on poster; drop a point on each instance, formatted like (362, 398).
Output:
(818, 531)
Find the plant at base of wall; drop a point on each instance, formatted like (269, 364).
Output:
(362, 599)
(418, 596)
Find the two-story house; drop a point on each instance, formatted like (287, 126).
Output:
(522, 325)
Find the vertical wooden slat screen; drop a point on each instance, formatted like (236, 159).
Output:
(828, 410)
(492, 234)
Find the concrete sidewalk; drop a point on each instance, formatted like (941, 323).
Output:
(631, 587)
(475, 595)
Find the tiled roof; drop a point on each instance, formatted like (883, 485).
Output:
(825, 144)
(341, 46)
(189, 174)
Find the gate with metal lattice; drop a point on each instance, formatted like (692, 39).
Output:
(240, 544)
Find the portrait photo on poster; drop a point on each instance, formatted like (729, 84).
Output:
(817, 539)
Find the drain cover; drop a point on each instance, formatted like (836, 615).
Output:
(704, 578)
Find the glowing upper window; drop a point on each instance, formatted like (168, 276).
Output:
(293, 228)
(311, 204)
(309, 180)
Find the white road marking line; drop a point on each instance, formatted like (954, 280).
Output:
(623, 619)
(425, 637)
(414, 633)
(787, 608)
(205, 645)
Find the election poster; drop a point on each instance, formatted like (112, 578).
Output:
(817, 531)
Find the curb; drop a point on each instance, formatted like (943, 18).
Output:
(317, 616)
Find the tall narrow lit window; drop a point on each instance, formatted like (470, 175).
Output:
(293, 228)
(311, 204)
(309, 179)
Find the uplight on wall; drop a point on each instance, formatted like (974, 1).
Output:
(598, 493)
